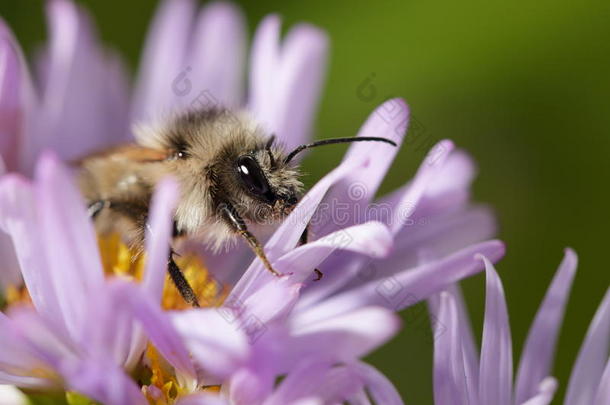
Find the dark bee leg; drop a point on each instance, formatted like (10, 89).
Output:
(181, 283)
(238, 224)
(302, 241)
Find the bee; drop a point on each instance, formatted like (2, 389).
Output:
(233, 176)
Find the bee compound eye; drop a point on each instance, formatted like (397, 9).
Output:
(252, 176)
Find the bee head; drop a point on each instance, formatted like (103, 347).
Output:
(266, 187)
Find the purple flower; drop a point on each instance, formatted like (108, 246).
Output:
(84, 330)
(261, 331)
(87, 333)
(461, 377)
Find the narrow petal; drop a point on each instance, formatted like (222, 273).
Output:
(298, 83)
(217, 56)
(449, 377)
(603, 391)
(214, 337)
(274, 299)
(73, 116)
(162, 69)
(73, 259)
(315, 378)
(157, 325)
(285, 81)
(379, 387)
(443, 233)
(537, 358)
(372, 239)
(110, 336)
(158, 237)
(354, 193)
(427, 171)
(341, 338)
(469, 351)
(19, 219)
(449, 188)
(456, 174)
(265, 57)
(407, 287)
(495, 384)
(592, 358)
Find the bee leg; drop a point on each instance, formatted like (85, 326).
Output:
(181, 283)
(237, 223)
(302, 241)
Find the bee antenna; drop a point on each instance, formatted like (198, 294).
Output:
(331, 141)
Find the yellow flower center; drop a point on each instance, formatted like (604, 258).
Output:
(158, 379)
(121, 261)
(161, 386)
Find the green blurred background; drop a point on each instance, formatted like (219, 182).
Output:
(523, 86)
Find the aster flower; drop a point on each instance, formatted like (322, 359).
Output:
(73, 342)
(461, 378)
(65, 313)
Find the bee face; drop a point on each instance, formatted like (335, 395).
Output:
(260, 186)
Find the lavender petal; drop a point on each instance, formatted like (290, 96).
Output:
(537, 357)
(496, 366)
(592, 357)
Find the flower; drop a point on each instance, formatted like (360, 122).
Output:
(461, 378)
(62, 270)
(84, 329)
(87, 333)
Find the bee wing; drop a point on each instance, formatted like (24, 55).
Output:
(133, 153)
(143, 154)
